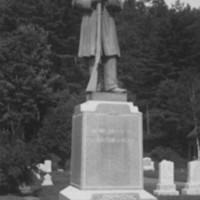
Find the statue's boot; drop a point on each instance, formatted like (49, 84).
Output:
(118, 90)
(110, 75)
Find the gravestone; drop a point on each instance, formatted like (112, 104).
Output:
(48, 166)
(106, 159)
(166, 184)
(148, 164)
(47, 180)
(192, 187)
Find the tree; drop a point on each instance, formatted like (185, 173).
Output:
(55, 134)
(190, 77)
(24, 81)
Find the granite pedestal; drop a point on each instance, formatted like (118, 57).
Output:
(106, 160)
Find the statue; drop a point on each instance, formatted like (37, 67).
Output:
(98, 42)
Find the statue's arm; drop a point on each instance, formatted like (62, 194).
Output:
(82, 4)
(115, 5)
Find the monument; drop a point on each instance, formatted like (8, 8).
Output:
(106, 160)
(106, 154)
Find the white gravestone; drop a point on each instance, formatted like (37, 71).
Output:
(148, 164)
(47, 180)
(48, 166)
(166, 184)
(192, 187)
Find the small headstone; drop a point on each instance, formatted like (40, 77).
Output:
(48, 166)
(148, 164)
(192, 187)
(25, 189)
(47, 180)
(166, 184)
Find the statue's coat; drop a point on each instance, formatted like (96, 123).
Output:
(88, 32)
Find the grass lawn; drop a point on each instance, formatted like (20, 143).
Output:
(61, 181)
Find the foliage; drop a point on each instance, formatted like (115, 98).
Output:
(24, 81)
(165, 153)
(3, 183)
(159, 50)
(55, 134)
(16, 162)
(25, 97)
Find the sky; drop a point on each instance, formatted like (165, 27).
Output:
(193, 3)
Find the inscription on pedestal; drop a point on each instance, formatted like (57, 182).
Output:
(112, 135)
(113, 138)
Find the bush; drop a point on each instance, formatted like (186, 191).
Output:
(151, 174)
(67, 165)
(164, 153)
(55, 161)
(15, 163)
(55, 134)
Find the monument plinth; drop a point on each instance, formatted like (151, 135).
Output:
(106, 159)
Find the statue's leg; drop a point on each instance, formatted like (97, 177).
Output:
(110, 72)
(110, 75)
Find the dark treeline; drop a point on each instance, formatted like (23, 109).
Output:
(160, 65)
(41, 79)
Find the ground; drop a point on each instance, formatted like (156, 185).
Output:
(61, 181)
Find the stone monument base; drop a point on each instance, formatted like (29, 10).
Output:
(106, 96)
(107, 151)
(166, 190)
(72, 193)
(191, 189)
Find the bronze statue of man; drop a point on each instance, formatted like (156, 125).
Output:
(109, 47)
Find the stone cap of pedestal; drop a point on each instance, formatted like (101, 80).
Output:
(106, 107)
(106, 96)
